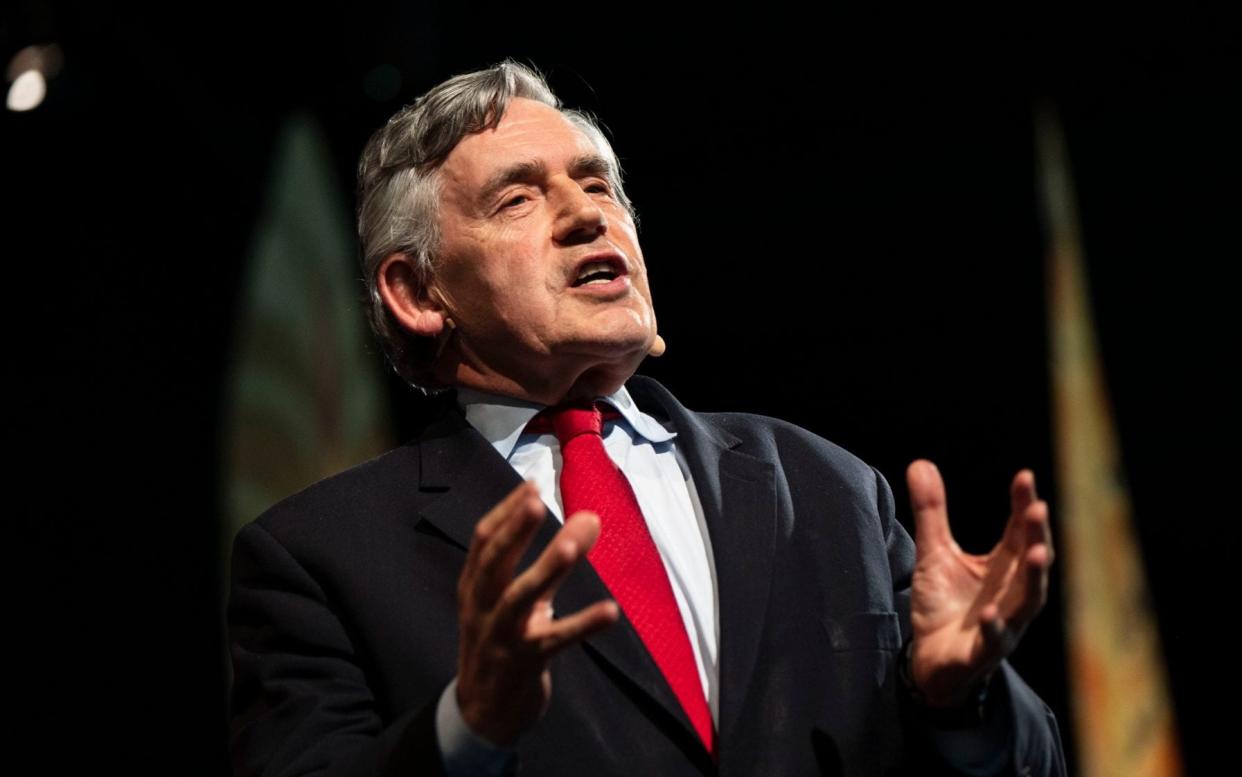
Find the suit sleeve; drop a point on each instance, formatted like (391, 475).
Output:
(1018, 735)
(300, 702)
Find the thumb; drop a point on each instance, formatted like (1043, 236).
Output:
(927, 502)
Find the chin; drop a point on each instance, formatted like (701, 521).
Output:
(623, 343)
(628, 331)
(614, 355)
(619, 334)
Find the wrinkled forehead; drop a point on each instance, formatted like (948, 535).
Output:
(529, 134)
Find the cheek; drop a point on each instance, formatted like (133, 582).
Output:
(476, 276)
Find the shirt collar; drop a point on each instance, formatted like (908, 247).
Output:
(502, 419)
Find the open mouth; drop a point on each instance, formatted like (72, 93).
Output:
(597, 272)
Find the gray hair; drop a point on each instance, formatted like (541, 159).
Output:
(399, 188)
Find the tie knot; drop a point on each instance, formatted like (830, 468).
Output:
(567, 421)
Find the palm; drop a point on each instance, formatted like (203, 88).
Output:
(968, 611)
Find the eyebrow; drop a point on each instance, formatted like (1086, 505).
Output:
(529, 170)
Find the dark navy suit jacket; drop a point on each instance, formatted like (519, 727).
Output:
(343, 621)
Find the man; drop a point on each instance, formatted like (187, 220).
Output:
(668, 592)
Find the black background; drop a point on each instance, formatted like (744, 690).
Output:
(840, 218)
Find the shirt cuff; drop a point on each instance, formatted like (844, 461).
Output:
(465, 753)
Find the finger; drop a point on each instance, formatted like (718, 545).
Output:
(541, 579)
(1029, 527)
(1036, 563)
(999, 637)
(1029, 592)
(497, 543)
(579, 626)
(486, 527)
(1022, 490)
(500, 555)
(1036, 526)
(502, 530)
(927, 502)
(1021, 495)
(1038, 560)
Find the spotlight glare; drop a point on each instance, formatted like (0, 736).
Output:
(26, 91)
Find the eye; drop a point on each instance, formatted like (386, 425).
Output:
(600, 187)
(515, 200)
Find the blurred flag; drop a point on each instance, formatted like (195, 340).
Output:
(1122, 714)
(306, 398)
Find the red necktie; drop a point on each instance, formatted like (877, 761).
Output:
(625, 556)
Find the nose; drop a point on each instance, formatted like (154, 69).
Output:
(580, 218)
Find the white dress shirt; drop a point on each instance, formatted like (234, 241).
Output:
(645, 452)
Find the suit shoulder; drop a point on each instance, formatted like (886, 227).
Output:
(794, 449)
(338, 503)
(811, 469)
(790, 445)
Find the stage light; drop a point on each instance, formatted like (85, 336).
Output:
(28, 74)
(26, 91)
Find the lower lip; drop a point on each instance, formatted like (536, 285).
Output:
(612, 288)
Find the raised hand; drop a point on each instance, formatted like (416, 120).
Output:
(507, 630)
(968, 612)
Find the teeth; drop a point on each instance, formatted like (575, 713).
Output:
(591, 267)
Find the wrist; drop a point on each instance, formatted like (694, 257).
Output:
(481, 726)
(963, 710)
(463, 751)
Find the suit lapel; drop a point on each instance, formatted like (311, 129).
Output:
(738, 495)
(459, 463)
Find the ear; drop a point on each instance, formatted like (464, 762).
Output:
(406, 299)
